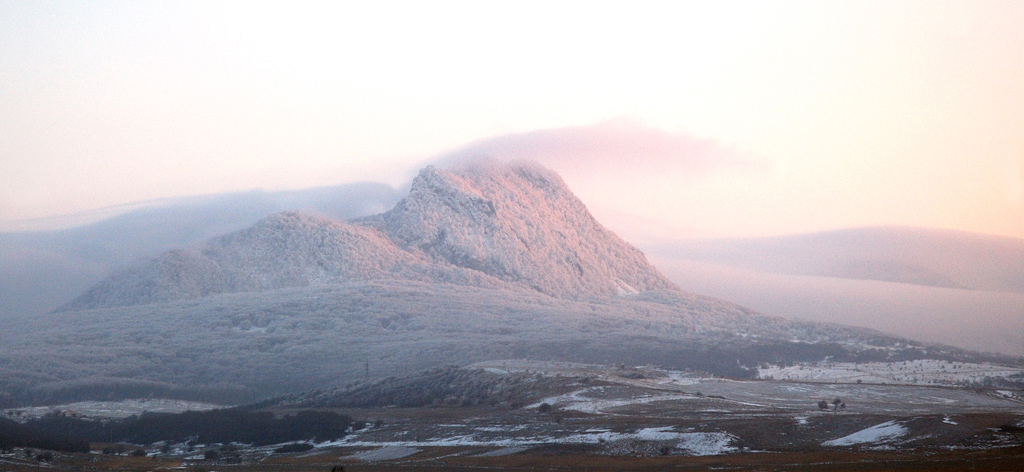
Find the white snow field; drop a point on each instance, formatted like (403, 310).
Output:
(580, 401)
(110, 410)
(386, 453)
(691, 443)
(693, 391)
(707, 444)
(916, 372)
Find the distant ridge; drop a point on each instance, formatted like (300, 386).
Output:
(41, 270)
(919, 256)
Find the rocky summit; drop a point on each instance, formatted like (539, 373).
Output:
(520, 223)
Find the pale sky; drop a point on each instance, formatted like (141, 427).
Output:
(693, 119)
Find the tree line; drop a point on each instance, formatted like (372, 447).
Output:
(232, 425)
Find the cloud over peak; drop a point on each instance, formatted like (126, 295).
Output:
(611, 146)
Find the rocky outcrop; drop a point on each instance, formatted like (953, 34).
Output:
(520, 223)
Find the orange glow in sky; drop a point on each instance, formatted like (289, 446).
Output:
(730, 118)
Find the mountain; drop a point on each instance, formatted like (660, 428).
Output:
(517, 223)
(480, 262)
(41, 270)
(286, 249)
(520, 223)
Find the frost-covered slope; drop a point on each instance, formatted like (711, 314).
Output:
(40, 270)
(487, 225)
(300, 338)
(520, 223)
(283, 250)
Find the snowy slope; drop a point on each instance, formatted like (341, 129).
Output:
(283, 250)
(520, 223)
(43, 269)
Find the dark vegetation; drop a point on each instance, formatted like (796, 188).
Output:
(114, 389)
(738, 362)
(234, 425)
(294, 447)
(444, 386)
(18, 435)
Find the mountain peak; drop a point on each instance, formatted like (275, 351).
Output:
(520, 223)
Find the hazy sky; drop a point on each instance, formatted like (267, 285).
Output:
(704, 118)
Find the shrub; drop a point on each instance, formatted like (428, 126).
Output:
(294, 447)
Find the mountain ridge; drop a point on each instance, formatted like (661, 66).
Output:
(484, 225)
(44, 269)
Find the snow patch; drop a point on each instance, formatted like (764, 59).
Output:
(706, 444)
(917, 372)
(578, 401)
(663, 433)
(386, 453)
(878, 433)
(702, 443)
(623, 289)
(505, 451)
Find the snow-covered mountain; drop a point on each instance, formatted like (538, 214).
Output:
(482, 225)
(44, 268)
(287, 249)
(518, 222)
(481, 262)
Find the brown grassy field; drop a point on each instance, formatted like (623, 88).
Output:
(562, 458)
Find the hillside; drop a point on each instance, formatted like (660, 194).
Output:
(283, 250)
(233, 347)
(44, 268)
